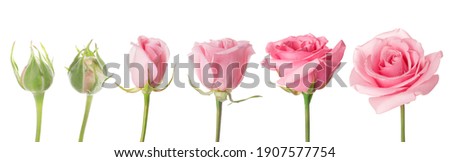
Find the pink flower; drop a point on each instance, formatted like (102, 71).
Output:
(303, 60)
(225, 61)
(393, 70)
(152, 55)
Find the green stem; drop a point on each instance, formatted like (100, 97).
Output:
(218, 118)
(39, 99)
(86, 116)
(402, 121)
(307, 100)
(145, 117)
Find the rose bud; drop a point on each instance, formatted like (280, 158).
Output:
(150, 55)
(36, 77)
(86, 76)
(86, 71)
(226, 61)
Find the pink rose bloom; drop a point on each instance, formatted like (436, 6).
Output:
(393, 70)
(226, 61)
(303, 60)
(152, 54)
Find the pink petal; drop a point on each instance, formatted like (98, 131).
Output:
(162, 63)
(338, 52)
(323, 73)
(283, 67)
(238, 56)
(372, 47)
(138, 55)
(386, 103)
(359, 60)
(322, 42)
(208, 50)
(365, 87)
(426, 86)
(414, 46)
(200, 59)
(385, 81)
(399, 33)
(273, 52)
(306, 56)
(301, 77)
(432, 60)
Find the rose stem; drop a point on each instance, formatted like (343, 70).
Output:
(39, 99)
(86, 116)
(402, 120)
(218, 118)
(145, 117)
(307, 99)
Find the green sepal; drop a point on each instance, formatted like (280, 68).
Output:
(311, 88)
(88, 51)
(290, 90)
(220, 95)
(76, 73)
(45, 68)
(245, 99)
(199, 90)
(31, 79)
(156, 89)
(15, 68)
(47, 59)
(129, 90)
(147, 89)
(75, 60)
(100, 60)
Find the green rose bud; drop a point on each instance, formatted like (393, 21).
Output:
(86, 71)
(37, 76)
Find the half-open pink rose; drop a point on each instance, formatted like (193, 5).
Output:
(303, 60)
(152, 54)
(393, 70)
(222, 63)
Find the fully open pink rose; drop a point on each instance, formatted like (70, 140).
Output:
(222, 63)
(393, 69)
(152, 55)
(303, 60)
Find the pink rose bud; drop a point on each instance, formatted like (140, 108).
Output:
(220, 66)
(149, 59)
(393, 70)
(222, 62)
(86, 71)
(304, 63)
(152, 54)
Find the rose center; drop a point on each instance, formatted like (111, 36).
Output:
(392, 63)
(298, 46)
(394, 56)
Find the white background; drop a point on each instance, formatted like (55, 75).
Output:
(182, 118)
